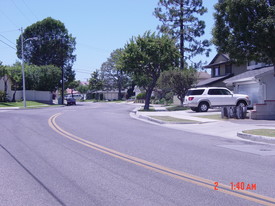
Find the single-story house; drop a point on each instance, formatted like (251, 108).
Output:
(9, 84)
(31, 95)
(110, 95)
(202, 77)
(137, 90)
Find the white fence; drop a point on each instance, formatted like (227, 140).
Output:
(32, 95)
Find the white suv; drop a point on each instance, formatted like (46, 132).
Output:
(201, 99)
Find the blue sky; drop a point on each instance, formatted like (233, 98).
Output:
(99, 26)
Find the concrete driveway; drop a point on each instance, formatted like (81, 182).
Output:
(208, 123)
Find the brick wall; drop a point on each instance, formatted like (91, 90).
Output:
(264, 111)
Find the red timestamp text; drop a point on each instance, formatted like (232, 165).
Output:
(238, 186)
(243, 186)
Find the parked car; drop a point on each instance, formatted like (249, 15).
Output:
(201, 99)
(75, 96)
(71, 101)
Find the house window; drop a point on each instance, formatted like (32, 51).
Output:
(216, 71)
(228, 69)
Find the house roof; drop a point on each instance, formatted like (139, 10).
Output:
(212, 80)
(249, 75)
(69, 91)
(84, 83)
(212, 63)
(203, 75)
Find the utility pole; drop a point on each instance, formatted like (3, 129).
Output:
(62, 89)
(181, 35)
(23, 70)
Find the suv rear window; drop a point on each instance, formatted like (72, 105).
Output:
(195, 92)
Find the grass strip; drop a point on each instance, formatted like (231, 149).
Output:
(172, 119)
(176, 108)
(213, 116)
(151, 109)
(261, 132)
(21, 104)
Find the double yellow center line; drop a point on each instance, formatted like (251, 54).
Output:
(161, 169)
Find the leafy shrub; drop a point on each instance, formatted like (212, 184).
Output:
(169, 96)
(89, 96)
(2, 96)
(141, 96)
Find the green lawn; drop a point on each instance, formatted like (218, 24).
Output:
(151, 109)
(172, 119)
(21, 104)
(176, 108)
(261, 132)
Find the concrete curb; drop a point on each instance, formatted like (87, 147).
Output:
(136, 113)
(9, 108)
(256, 138)
(165, 122)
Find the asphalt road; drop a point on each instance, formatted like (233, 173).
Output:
(96, 154)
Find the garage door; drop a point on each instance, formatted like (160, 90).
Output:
(254, 91)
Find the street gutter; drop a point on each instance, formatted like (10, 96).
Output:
(257, 138)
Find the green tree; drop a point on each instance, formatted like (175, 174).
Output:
(145, 57)
(245, 29)
(1, 69)
(95, 83)
(178, 81)
(73, 85)
(112, 75)
(180, 19)
(53, 45)
(42, 78)
(82, 88)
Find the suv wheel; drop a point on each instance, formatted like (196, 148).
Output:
(242, 104)
(203, 107)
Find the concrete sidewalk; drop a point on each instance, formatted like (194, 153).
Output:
(211, 124)
(9, 108)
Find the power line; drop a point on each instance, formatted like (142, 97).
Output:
(31, 11)
(9, 31)
(7, 44)
(21, 11)
(7, 39)
(100, 50)
(12, 22)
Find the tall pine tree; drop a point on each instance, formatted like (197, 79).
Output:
(180, 19)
